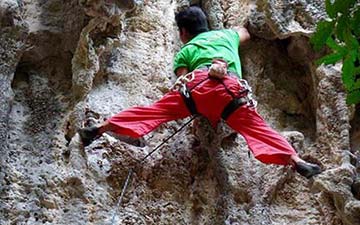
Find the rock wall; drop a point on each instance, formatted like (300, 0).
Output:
(67, 64)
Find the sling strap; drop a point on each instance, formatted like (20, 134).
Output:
(185, 92)
(188, 99)
(245, 98)
(233, 105)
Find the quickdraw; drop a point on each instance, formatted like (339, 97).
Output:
(180, 86)
(251, 102)
(181, 82)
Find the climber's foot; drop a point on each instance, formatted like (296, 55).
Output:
(88, 134)
(307, 170)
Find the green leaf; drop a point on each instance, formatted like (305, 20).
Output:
(357, 84)
(353, 55)
(342, 35)
(343, 6)
(348, 70)
(323, 31)
(341, 26)
(353, 97)
(355, 22)
(330, 59)
(330, 9)
(357, 70)
(336, 47)
(350, 41)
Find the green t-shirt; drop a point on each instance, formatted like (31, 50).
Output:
(204, 47)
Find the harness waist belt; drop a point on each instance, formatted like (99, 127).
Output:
(233, 105)
(229, 72)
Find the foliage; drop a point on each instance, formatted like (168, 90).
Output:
(341, 33)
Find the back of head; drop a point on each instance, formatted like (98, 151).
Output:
(193, 19)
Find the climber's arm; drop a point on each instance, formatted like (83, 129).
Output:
(244, 34)
(181, 71)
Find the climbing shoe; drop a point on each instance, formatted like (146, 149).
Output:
(307, 170)
(88, 134)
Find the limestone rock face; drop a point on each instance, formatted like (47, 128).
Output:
(12, 42)
(69, 64)
(13, 33)
(283, 19)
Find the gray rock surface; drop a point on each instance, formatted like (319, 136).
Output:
(67, 64)
(13, 32)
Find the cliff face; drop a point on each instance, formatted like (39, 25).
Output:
(66, 64)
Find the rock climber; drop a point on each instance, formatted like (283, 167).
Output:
(209, 84)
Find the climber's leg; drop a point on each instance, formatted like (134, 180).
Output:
(266, 144)
(138, 121)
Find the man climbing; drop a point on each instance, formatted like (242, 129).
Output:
(210, 84)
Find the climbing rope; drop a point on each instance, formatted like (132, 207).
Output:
(131, 170)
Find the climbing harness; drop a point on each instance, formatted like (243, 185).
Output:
(244, 99)
(217, 70)
(131, 170)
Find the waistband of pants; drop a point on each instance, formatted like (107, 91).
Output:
(230, 73)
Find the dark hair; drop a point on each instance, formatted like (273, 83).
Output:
(193, 19)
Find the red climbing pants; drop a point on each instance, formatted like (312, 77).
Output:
(210, 97)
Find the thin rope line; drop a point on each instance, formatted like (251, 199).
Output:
(168, 138)
(131, 170)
